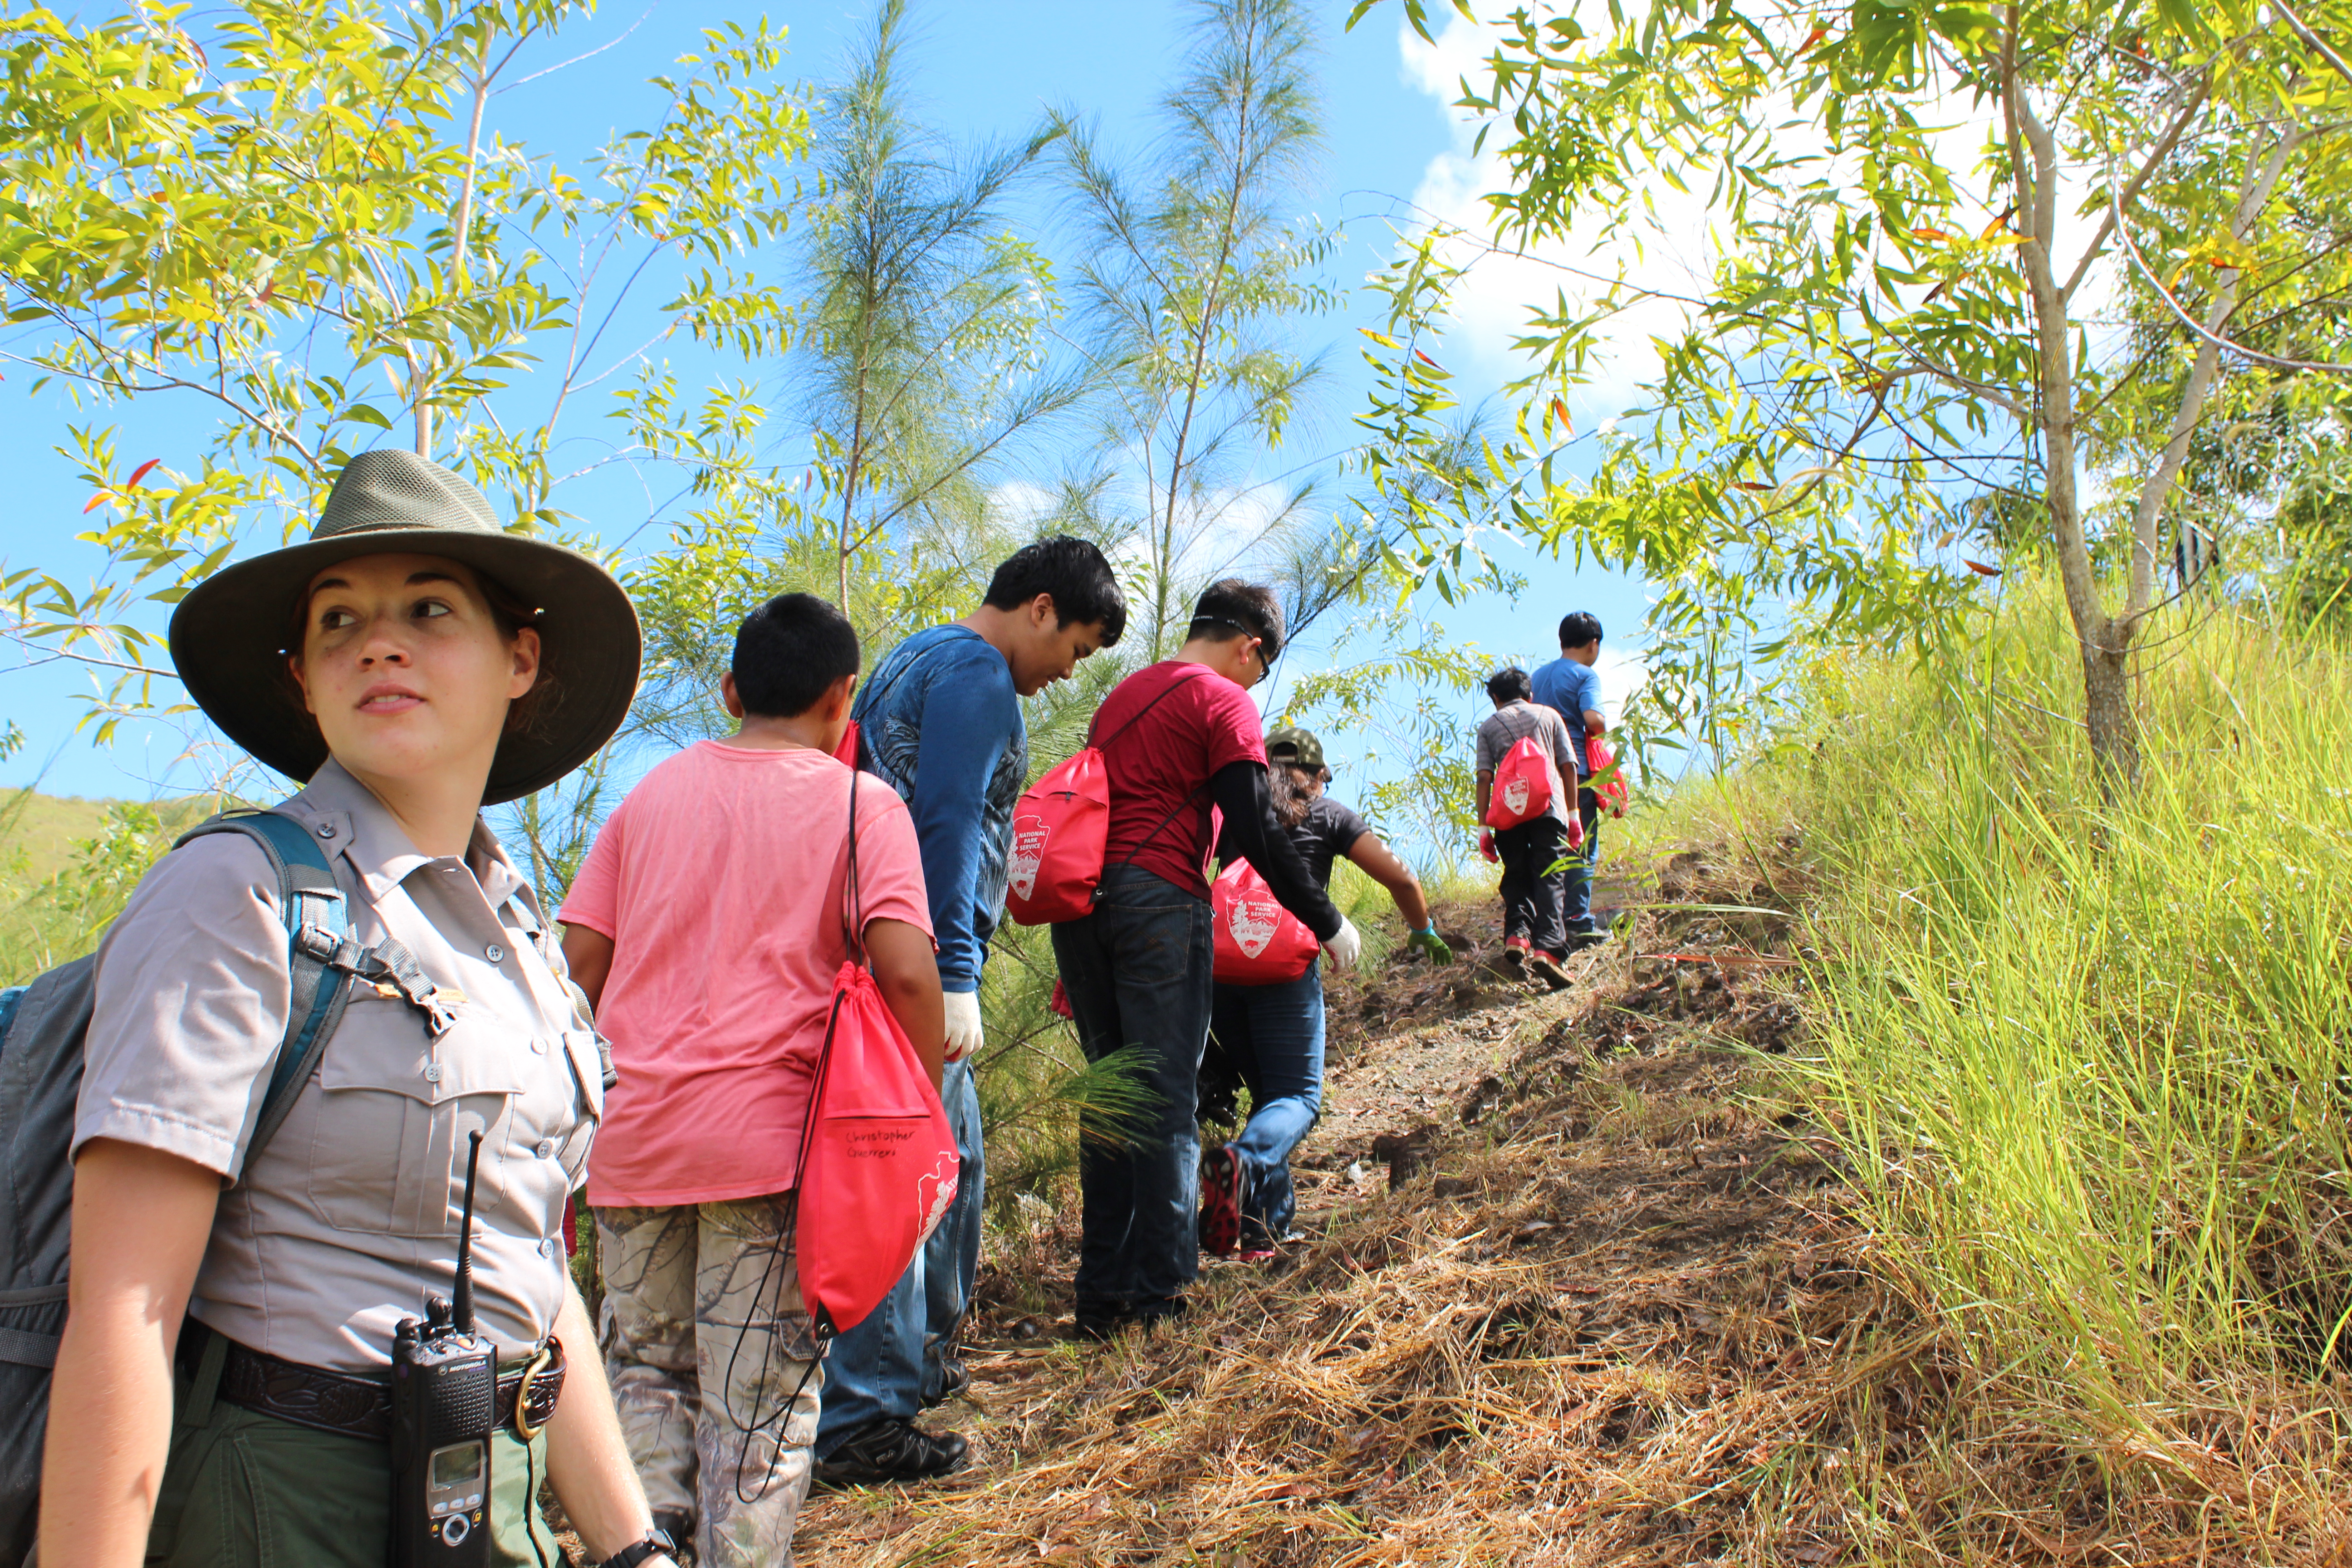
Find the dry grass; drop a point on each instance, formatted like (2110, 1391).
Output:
(1623, 1318)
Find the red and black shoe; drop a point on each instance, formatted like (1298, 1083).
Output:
(1221, 1201)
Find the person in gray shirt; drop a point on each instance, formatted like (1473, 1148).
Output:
(222, 1391)
(1534, 933)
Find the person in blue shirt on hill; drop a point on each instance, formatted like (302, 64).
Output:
(940, 720)
(1570, 687)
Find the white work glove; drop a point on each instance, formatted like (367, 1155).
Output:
(1345, 946)
(964, 1023)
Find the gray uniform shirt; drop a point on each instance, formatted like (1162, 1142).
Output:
(1516, 720)
(349, 1216)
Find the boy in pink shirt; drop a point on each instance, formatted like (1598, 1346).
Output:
(707, 925)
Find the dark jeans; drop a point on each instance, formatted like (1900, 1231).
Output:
(1577, 878)
(1272, 1034)
(1136, 971)
(1532, 891)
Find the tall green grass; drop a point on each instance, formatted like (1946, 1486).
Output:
(2094, 1059)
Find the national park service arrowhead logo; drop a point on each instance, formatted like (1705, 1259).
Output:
(1253, 924)
(1028, 853)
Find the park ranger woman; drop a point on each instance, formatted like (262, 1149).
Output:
(221, 1391)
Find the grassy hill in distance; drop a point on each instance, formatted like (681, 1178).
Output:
(66, 864)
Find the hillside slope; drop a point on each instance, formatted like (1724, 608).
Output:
(1585, 1287)
(1576, 1295)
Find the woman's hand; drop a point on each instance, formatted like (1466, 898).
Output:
(141, 1219)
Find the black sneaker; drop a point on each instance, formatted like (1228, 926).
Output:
(1109, 1319)
(1221, 1201)
(954, 1378)
(891, 1449)
(1582, 937)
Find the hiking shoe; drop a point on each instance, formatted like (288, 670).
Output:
(1107, 1321)
(1259, 1254)
(1221, 1201)
(1546, 967)
(1580, 938)
(888, 1449)
(954, 1378)
(1514, 954)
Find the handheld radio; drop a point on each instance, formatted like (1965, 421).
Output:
(444, 1396)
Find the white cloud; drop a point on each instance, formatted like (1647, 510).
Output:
(1669, 246)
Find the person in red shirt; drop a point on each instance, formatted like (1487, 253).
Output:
(1177, 737)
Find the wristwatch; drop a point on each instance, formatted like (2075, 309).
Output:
(656, 1543)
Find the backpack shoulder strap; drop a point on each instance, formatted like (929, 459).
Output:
(1165, 691)
(318, 925)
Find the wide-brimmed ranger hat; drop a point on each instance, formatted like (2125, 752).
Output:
(228, 635)
(1299, 748)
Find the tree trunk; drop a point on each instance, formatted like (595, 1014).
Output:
(2107, 708)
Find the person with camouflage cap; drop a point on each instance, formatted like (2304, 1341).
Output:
(1270, 1037)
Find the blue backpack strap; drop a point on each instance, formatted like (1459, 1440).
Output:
(318, 927)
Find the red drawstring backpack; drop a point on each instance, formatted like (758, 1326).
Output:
(1258, 942)
(1608, 778)
(1060, 825)
(1526, 783)
(1061, 831)
(878, 1163)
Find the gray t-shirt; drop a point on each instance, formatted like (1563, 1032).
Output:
(348, 1218)
(1516, 720)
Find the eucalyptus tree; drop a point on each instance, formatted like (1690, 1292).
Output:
(1916, 220)
(926, 355)
(294, 216)
(1194, 274)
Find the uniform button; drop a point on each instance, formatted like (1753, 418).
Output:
(546, 1149)
(537, 1047)
(547, 1247)
(433, 1072)
(495, 953)
(326, 830)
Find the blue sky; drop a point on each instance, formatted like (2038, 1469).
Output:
(981, 69)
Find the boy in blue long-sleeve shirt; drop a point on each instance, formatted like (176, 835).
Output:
(1570, 687)
(940, 720)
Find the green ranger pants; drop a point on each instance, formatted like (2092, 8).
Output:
(247, 1491)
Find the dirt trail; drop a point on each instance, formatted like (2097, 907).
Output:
(1574, 1291)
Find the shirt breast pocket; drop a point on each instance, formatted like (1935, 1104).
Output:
(388, 1152)
(588, 1075)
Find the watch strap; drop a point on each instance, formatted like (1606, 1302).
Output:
(656, 1543)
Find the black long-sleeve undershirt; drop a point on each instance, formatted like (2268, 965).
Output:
(1252, 833)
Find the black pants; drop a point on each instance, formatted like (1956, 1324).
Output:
(1534, 895)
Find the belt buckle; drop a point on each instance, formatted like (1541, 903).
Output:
(523, 1429)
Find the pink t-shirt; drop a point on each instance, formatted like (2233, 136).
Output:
(720, 880)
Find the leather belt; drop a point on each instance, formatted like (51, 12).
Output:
(361, 1406)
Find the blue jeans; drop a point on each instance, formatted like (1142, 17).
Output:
(1576, 877)
(891, 1364)
(1272, 1034)
(1136, 971)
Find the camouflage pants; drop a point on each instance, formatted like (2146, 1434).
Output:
(714, 1371)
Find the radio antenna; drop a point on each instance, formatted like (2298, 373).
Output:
(461, 1313)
